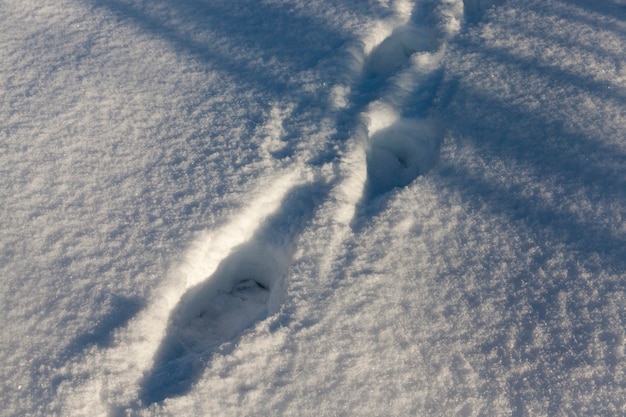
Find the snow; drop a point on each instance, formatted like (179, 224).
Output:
(330, 207)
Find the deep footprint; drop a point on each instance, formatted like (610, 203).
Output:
(246, 287)
(234, 298)
(398, 154)
(396, 49)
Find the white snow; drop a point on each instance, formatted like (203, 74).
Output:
(280, 207)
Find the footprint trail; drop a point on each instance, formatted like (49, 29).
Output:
(236, 277)
(396, 49)
(402, 77)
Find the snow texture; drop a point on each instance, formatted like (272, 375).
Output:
(280, 207)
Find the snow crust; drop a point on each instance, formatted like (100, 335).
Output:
(373, 207)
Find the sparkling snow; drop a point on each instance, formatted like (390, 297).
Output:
(313, 208)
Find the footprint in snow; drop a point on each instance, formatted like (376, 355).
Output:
(244, 290)
(398, 154)
(246, 287)
(396, 49)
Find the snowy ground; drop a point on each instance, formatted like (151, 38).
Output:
(313, 208)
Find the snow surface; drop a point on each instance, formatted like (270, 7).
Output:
(312, 208)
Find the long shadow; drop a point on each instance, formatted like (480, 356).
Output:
(576, 167)
(597, 245)
(533, 297)
(265, 48)
(260, 45)
(535, 140)
(474, 10)
(570, 13)
(271, 43)
(546, 221)
(122, 309)
(246, 287)
(608, 8)
(600, 89)
(539, 137)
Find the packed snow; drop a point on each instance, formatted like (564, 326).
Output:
(313, 208)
